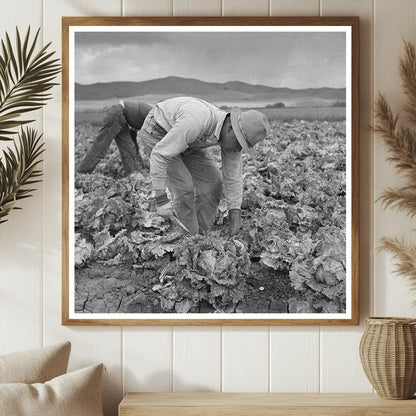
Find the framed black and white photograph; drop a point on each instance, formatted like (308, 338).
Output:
(210, 171)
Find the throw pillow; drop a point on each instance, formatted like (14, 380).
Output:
(73, 394)
(35, 366)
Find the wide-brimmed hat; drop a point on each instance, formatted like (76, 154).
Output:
(249, 127)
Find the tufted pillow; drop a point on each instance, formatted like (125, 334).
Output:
(73, 394)
(35, 366)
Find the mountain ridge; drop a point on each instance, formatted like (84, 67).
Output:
(175, 86)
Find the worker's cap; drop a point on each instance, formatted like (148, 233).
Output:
(249, 127)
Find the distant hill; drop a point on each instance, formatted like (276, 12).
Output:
(228, 92)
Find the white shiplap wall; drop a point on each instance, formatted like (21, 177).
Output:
(261, 359)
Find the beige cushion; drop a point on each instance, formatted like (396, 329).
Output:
(35, 366)
(73, 394)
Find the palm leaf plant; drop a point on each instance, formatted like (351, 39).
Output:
(26, 78)
(401, 143)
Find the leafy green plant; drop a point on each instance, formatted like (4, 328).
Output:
(26, 77)
(290, 252)
(210, 268)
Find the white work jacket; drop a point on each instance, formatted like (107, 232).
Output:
(192, 123)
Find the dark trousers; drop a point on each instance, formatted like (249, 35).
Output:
(117, 125)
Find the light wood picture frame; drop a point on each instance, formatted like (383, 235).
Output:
(295, 259)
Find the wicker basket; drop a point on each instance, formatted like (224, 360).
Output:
(388, 356)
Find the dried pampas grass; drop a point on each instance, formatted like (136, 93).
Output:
(401, 143)
(405, 254)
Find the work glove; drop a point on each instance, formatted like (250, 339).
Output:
(234, 221)
(164, 206)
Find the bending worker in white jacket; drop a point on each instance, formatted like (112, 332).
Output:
(177, 135)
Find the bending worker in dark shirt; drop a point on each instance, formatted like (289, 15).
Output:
(177, 135)
(121, 123)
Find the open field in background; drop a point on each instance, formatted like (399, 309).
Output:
(305, 113)
(309, 104)
(244, 102)
(94, 115)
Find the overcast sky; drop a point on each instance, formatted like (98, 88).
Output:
(294, 60)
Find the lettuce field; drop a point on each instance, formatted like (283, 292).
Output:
(289, 257)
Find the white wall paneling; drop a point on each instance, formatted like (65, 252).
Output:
(294, 8)
(245, 8)
(341, 370)
(197, 8)
(147, 359)
(196, 359)
(245, 359)
(147, 7)
(30, 13)
(393, 21)
(232, 358)
(294, 352)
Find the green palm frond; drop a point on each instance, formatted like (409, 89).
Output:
(26, 78)
(19, 170)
